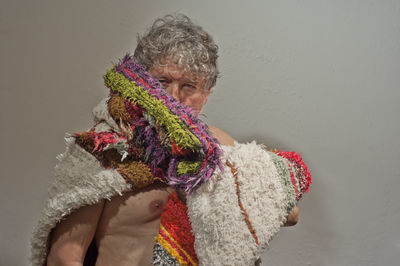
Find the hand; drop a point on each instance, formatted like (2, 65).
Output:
(293, 217)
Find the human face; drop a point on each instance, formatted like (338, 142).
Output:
(187, 88)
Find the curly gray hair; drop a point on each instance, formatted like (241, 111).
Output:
(178, 40)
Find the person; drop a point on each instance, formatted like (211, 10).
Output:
(183, 58)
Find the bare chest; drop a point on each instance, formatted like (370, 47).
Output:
(135, 212)
(128, 226)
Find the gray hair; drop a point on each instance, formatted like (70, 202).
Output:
(178, 40)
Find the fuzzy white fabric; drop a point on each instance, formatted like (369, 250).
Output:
(100, 112)
(221, 233)
(222, 236)
(79, 180)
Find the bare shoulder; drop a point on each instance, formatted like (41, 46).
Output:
(221, 136)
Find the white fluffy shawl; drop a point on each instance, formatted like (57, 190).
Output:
(79, 180)
(222, 236)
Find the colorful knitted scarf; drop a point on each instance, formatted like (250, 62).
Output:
(230, 219)
(144, 135)
(159, 138)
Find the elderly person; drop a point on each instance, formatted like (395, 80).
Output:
(122, 229)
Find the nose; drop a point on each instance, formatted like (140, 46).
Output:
(173, 90)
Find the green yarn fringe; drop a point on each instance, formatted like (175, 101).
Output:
(177, 130)
(283, 171)
(186, 167)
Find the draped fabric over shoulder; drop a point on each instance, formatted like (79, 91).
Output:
(237, 197)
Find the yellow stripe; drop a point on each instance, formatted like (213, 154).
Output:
(176, 243)
(164, 243)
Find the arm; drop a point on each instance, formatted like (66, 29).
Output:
(227, 140)
(72, 236)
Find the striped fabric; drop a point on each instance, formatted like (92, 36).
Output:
(175, 241)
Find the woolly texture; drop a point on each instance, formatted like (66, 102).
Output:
(138, 173)
(135, 73)
(222, 235)
(163, 131)
(161, 257)
(238, 194)
(284, 171)
(187, 167)
(79, 180)
(117, 109)
(111, 149)
(175, 234)
(148, 134)
(300, 175)
(101, 113)
(178, 131)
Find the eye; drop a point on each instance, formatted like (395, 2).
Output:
(189, 88)
(164, 82)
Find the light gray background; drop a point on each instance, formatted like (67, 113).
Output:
(319, 77)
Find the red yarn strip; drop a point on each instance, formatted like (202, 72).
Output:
(176, 222)
(180, 252)
(210, 147)
(296, 191)
(304, 173)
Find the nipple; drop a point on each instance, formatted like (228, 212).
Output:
(156, 206)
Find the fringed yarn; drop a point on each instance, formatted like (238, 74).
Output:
(175, 234)
(138, 174)
(187, 167)
(161, 256)
(117, 109)
(143, 135)
(283, 170)
(171, 248)
(79, 180)
(300, 175)
(236, 217)
(164, 132)
(178, 131)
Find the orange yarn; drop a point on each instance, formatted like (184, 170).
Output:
(137, 173)
(134, 172)
(116, 108)
(247, 219)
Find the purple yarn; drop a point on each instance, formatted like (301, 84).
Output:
(158, 91)
(147, 136)
(155, 154)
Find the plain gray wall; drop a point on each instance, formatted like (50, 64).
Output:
(318, 77)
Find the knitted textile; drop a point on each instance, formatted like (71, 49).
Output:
(175, 241)
(234, 215)
(141, 134)
(236, 200)
(237, 212)
(154, 129)
(79, 180)
(161, 132)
